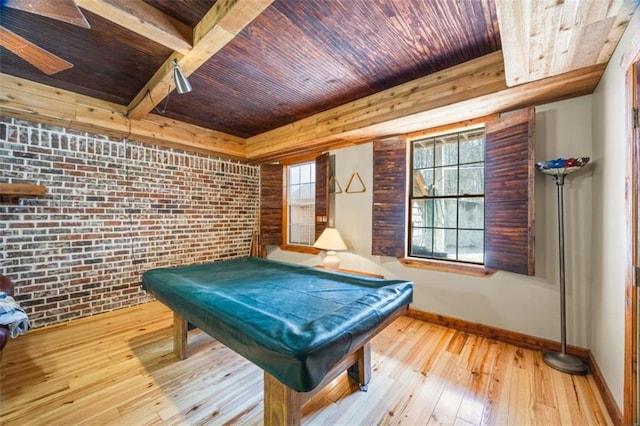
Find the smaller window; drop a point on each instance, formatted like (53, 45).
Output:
(301, 203)
(447, 197)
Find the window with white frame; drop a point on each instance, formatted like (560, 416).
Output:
(447, 197)
(301, 203)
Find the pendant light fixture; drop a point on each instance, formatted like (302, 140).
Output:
(182, 84)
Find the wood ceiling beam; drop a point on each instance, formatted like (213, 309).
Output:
(216, 29)
(473, 89)
(464, 92)
(144, 19)
(28, 100)
(544, 38)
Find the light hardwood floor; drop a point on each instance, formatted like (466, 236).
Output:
(118, 368)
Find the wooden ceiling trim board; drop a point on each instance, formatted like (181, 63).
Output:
(461, 125)
(545, 38)
(569, 85)
(34, 100)
(187, 136)
(34, 105)
(101, 118)
(178, 129)
(24, 99)
(216, 29)
(485, 79)
(160, 131)
(572, 84)
(143, 19)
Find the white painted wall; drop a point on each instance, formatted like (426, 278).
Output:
(609, 230)
(527, 305)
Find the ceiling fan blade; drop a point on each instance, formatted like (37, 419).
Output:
(62, 10)
(45, 61)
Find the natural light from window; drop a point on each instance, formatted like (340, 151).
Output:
(301, 203)
(447, 197)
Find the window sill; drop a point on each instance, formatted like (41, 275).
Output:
(299, 249)
(354, 272)
(457, 268)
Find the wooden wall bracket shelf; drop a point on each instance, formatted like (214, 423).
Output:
(11, 192)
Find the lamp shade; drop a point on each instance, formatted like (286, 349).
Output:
(182, 84)
(330, 239)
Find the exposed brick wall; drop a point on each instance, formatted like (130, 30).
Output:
(113, 209)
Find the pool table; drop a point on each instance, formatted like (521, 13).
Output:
(301, 325)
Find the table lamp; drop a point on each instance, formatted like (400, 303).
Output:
(330, 240)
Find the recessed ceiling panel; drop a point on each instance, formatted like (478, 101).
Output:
(302, 57)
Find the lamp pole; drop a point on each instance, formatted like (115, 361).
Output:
(563, 361)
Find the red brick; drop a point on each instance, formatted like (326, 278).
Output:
(102, 224)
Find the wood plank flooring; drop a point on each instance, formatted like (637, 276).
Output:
(118, 368)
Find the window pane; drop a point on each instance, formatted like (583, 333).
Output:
(438, 241)
(422, 213)
(294, 175)
(294, 194)
(471, 246)
(423, 183)
(421, 242)
(307, 192)
(446, 180)
(472, 179)
(471, 211)
(451, 241)
(300, 227)
(445, 213)
(446, 154)
(423, 154)
(305, 173)
(444, 241)
(472, 149)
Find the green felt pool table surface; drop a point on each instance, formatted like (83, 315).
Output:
(293, 321)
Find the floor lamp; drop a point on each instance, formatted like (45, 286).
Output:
(559, 169)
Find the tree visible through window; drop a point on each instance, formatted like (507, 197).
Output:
(447, 197)
(301, 203)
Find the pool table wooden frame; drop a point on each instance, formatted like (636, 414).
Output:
(282, 405)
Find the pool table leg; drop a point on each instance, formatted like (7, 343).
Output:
(361, 370)
(179, 336)
(282, 405)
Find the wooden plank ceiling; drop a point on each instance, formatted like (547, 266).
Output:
(544, 38)
(275, 78)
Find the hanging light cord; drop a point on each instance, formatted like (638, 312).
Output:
(166, 100)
